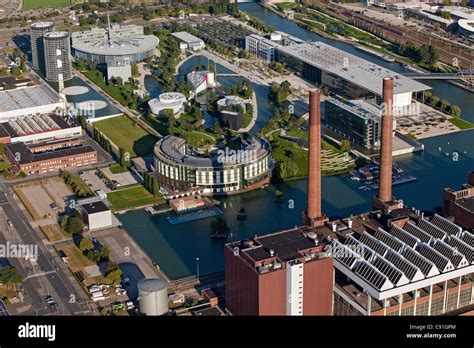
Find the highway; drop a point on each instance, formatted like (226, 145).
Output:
(54, 281)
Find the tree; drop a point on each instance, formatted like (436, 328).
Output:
(2, 149)
(86, 244)
(75, 224)
(9, 276)
(346, 145)
(444, 105)
(429, 54)
(219, 227)
(135, 71)
(16, 71)
(455, 111)
(113, 272)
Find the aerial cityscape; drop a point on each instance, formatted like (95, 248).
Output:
(236, 158)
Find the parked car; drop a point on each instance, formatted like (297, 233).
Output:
(53, 206)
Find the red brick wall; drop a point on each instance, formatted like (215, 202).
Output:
(272, 293)
(241, 285)
(318, 287)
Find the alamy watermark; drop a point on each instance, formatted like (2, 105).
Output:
(19, 251)
(229, 156)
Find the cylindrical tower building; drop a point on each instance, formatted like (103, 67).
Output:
(57, 50)
(37, 31)
(153, 296)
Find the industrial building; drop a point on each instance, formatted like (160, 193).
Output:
(346, 74)
(390, 261)
(188, 41)
(40, 127)
(51, 156)
(57, 56)
(168, 101)
(37, 31)
(114, 43)
(179, 169)
(97, 215)
(460, 204)
(39, 99)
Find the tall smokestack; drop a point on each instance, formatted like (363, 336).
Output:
(314, 215)
(386, 161)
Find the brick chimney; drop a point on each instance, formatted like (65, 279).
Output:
(384, 200)
(314, 216)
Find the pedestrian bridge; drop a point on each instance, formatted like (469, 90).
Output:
(459, 75)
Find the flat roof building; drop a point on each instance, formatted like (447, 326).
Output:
(114, 43)
(40, 127)
(57, 56)
(39, 99)
(192, 42)
(52, 156)
(98, 215)
(120, 68)
(345, 73)
(37, 31)
(180, 169)
(284, 273)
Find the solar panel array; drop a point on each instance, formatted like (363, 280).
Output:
(404, 236)
(417, 232)
(468, 238)
(456, 258)
(431, 229)
(372, 276)
(387, 239)
(445, 225)
(461, 246)
(426, 266)
(409, 254)
(373, 244)
(442, 263)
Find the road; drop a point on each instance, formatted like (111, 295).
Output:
(54, 281)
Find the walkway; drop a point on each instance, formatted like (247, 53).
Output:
(254, 116)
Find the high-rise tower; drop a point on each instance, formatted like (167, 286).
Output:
(57, 56)
(37, 31)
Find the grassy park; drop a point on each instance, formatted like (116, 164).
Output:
(34, 4)
(127, 135)
(136, 196)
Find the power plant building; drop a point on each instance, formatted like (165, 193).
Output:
(390, 261)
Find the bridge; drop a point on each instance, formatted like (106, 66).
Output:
(458, 75)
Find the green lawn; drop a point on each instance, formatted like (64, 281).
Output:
(283, 5)
(33, 4)
(461, 123)
(116, 168)
(127, 135)
(132, 197)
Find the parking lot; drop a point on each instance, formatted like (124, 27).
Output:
(59, 191)
(38, 200)
(95, 183)
(123, 179)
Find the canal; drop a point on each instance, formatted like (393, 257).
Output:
(175, 247)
